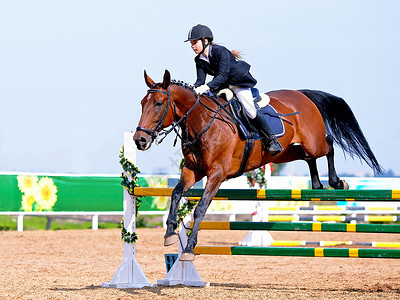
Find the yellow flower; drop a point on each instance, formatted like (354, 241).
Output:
(220, 206)
(27, 201)
(161, 202)
(47, 193)
(26, 183)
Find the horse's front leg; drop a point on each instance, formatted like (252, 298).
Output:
(185, 182)
(212, 186)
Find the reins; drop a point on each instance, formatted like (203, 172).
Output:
(187, 143)
(163, 134)
(159, 137)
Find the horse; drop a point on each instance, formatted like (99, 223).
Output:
(213, 148)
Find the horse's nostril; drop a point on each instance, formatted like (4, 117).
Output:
(143, 140)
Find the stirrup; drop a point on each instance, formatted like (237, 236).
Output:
(274, 147)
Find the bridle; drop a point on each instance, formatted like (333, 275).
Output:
(158, 137)
(154, 133)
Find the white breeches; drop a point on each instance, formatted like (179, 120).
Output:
(246, 98)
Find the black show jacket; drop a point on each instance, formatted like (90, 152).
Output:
(225, 69)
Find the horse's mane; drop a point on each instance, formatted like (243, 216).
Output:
(191, 88)
(214, 100)
(182, 84)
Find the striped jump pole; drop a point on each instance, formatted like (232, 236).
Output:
(177, 275)
(300, 226)
(282, 194)
(297, 251)
(301, 251)
(341, 209)
(335, 243)
(327, 218)
(285, 195)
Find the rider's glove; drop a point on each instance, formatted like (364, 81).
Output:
(201, 89)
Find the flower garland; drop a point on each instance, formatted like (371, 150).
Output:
(126, 236)
(130, 185)
(257, 176)
(187, 207)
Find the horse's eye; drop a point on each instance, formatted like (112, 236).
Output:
(158, 103)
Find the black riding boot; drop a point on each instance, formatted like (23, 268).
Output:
(264, 130)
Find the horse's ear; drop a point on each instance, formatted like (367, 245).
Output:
(167, 80)
(150, 83)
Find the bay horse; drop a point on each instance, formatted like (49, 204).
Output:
(212, 147)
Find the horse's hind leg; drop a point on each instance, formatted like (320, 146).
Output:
(334, 180)
(315, 182)
(186, 181)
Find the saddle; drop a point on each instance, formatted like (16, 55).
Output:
(261, 102)
(245, 128)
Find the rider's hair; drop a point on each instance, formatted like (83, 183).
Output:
(236, 53)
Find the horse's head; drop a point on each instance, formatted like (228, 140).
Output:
(156, 111)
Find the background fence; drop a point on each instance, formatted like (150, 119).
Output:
(23, 194)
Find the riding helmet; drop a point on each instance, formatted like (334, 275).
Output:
(198, 32)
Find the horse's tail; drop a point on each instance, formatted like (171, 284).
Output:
(342, 125)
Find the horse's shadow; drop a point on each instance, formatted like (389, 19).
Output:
(158, 289)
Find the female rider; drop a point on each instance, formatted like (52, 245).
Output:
(219, 62)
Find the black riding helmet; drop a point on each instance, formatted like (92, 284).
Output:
(200, 32)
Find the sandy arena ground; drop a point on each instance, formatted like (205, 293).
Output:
(73, 265)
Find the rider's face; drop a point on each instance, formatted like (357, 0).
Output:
(197, 46)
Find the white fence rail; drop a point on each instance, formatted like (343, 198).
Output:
(232, 215)
(94, 214)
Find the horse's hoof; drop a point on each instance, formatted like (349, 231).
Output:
(170, 240)
(187, 256)
(345, 185)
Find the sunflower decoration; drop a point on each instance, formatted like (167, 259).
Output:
(27, 183)
(29, 202)
(38, 194)
(160, 202)
(47, 193)
(221, 206)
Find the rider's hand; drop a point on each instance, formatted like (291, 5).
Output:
(201, 89)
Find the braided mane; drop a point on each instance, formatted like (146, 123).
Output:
(191, 87)
(182, 84)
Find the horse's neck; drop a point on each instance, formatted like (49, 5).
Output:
(197, 119)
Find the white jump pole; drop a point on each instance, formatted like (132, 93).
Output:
(183, 272)
(129, 273)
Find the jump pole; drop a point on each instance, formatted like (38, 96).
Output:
(129, 273)
(283, 195)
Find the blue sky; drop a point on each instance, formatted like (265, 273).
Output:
(71, 72)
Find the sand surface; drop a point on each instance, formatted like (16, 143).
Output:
(73, 264)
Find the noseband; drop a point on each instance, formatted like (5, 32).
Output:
(153, 133)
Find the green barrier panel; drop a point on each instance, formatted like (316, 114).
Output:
(28, 192)
(10, 195)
